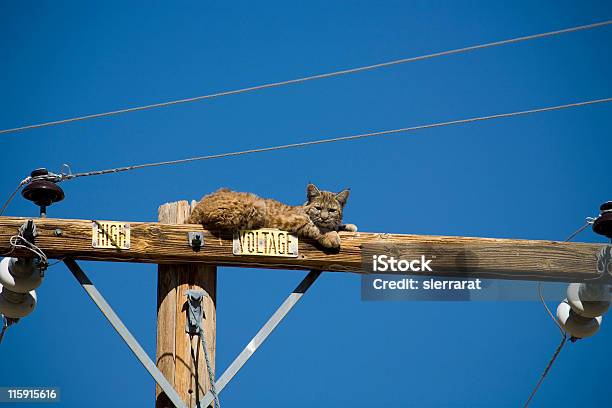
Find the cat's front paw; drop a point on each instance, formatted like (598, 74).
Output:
(330, 240)
(349, 227)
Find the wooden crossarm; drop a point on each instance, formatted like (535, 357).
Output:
(152, 242)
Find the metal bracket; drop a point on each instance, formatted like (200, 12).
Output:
(28, 231)
(261, 335)
(604, 261)
(123, 331)
(195, 240)
(193, 324)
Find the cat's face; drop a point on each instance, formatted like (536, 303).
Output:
(324, 207)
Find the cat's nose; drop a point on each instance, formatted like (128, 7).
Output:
(324, 214)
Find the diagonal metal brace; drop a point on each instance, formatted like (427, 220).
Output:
(261, 335)
(123, 331)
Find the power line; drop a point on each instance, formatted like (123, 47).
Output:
(312, 77)
(547, 369)
(61, 177)
(336, 139)
(21, 184)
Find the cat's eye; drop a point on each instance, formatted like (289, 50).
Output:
(318, 208)
(332, 210)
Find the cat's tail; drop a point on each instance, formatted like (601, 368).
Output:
(226, 210)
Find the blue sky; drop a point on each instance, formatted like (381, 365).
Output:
(533, 177)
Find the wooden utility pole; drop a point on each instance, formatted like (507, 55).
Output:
(179, 357)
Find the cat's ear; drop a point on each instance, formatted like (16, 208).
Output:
(312, 191)
(342, 196)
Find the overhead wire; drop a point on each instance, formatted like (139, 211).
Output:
(6, 322)
(547, 369)
(68, 176)
(8, 201)
(337, 139)
(313, 77)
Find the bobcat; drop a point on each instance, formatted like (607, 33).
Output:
(319, 218)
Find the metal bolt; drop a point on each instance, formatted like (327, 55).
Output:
(58, 232)
(196, 241)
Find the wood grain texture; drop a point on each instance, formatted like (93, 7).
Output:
(179, 356)
(453, 256)
(166, 322)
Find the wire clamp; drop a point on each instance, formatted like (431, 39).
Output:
(193, 325)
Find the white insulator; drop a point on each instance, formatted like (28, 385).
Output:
(22, 282)
(589, 299)
(576, 325)
(16, 305)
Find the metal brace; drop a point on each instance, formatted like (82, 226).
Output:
(123, 331)
(261, 335)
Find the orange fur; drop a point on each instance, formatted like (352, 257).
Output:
(319, 218)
